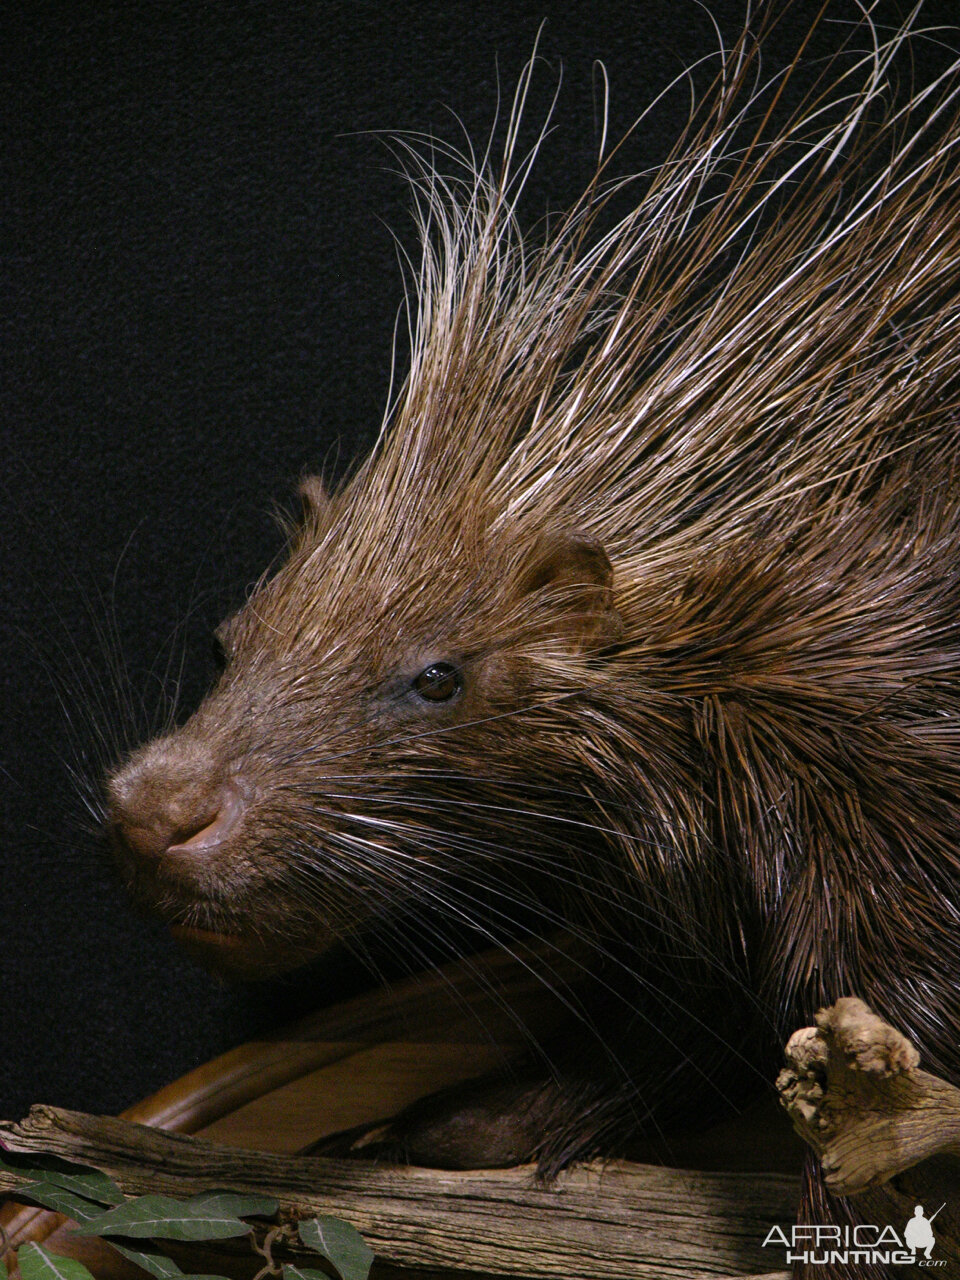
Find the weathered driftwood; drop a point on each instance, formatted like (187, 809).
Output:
(854, 1092)
(887, 1134)
(597, 1222)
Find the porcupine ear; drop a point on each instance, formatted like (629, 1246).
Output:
(576, 571)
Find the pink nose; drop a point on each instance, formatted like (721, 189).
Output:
(150, 831)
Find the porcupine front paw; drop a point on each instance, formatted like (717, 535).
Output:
(853, 1092)
(479, 1125)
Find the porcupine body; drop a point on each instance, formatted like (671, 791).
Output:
(639, 627)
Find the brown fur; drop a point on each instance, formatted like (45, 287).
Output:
(677, 498)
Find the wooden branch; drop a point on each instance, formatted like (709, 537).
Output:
(480, 1007)
(854, 1092)
(597, 1222)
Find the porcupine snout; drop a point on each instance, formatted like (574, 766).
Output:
(172, 803)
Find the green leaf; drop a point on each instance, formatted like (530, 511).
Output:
(164, 1217)
(303, 1273)
(80, 1179)
(156, 1263)
(342, 1244)
(89, 1183)
(150, 1259)
(37, 1264)
(52, 1196)
(237, 1204)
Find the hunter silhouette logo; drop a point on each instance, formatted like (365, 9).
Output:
(821, 1244)
(918, 1233)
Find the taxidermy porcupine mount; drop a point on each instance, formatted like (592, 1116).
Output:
(639, 626)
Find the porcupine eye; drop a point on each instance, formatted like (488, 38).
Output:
(439, 682)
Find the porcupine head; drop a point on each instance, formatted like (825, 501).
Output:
(419, 712)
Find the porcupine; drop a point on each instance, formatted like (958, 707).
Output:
(639, 623)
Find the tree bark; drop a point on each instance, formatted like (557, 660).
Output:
(597, 1222)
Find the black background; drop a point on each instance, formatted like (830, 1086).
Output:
(200, 288)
